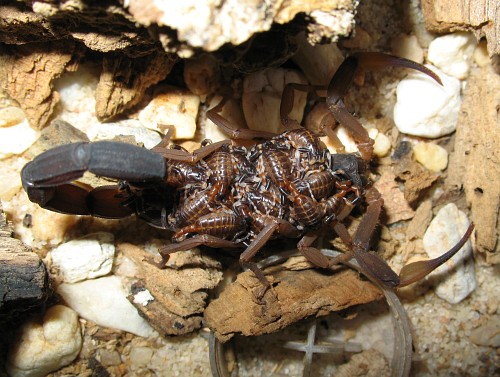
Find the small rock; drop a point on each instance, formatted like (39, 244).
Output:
(488, 334)
(231, 112)
(11, 115)
(172, 107)
(202, 75)
(452, 53)
(140, 356)
(16, 139)
(143, 297)
(128, 127)
(456, 277)
(109, 358)
(104, 301)
(261, 98)
(318, 62)
(50, 227)
(382, 145)
(407, 46)
(47, 346)
(86, 258)
(432, 156)
(77, 96)
(425, 108)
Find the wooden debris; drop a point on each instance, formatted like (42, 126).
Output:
(179, 294)
(295, 295)
(475, 163)
(24, 284)
(27, 73)
(396, 207)
(124, 81)
(479, 16)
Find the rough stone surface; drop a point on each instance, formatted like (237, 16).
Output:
(45, 346)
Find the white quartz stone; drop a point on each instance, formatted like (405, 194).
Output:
(86, 258)
(452, 53)
(43, 347)
(104, 301)
(17, 138)
(425, 108)
(456, 278)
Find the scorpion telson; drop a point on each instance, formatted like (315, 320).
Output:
(223, 196)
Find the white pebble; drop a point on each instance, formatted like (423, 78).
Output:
(45, 347)
(104, 301)
(16, 139)
(452, 53)
(85, 258)
(128, 127)
(382, 145)
(425, 108)
(456, 277)
(143, 297)
(172, 107)
(432, 156)
(261, 98)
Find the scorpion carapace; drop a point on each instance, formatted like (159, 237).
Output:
(224, 196)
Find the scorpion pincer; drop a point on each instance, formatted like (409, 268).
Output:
(224, 196)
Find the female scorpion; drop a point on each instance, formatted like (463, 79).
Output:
(224, 196)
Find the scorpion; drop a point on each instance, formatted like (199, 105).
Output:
(226, 196)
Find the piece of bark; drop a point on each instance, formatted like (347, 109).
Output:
(27, 73)
(417, 180)
(475, 163)
(180, 295)
(420, 222)
(482, 17)
(396, 207)
(295, 295)
(24, 284)
(124, 80)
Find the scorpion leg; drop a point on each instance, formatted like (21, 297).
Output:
(374, 266)
(190, 243)
(351, 68)
(48, 179)
(230, 129)
(275, 226)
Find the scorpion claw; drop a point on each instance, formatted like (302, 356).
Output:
(415, 271)
(48, 179)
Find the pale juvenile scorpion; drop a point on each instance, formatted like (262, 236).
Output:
(224, 196)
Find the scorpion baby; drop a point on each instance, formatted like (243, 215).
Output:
(224, 196)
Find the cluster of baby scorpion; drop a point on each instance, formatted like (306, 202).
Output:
(225, 196)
